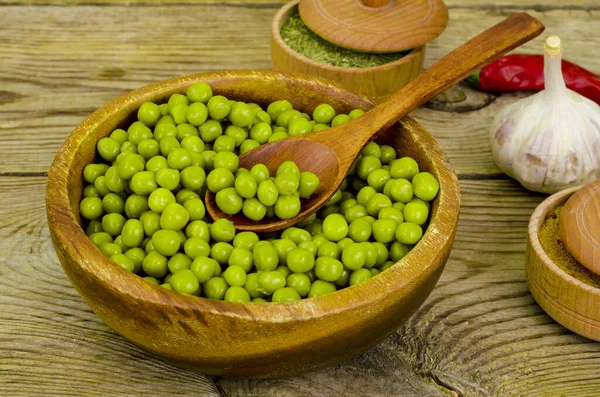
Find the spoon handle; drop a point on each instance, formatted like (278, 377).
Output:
(452, 68)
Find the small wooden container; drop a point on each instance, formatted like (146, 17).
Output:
(571, 302)
(377, 82)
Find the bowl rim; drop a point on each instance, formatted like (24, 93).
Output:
(67, 232)
(535, 222)
(276, 36)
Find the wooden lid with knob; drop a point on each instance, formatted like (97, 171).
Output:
(379, 26)
(580, 226)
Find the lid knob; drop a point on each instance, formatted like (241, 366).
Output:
(375, 3)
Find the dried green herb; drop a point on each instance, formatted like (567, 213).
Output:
(304, 41)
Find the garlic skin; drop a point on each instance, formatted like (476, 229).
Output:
(549, 141)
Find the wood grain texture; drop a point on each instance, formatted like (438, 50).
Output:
(480, 333)
(64, 76)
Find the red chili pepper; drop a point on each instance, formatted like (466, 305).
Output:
(523, 72)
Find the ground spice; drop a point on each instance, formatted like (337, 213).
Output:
(304, 41)
(552, 244)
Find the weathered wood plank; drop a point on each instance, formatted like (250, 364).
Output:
(62, 73)
(479, 333)
(547, 4)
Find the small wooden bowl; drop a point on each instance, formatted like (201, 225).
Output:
(571, 302)
(378, 82)
(253, 339)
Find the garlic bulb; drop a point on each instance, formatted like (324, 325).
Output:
(549, 141)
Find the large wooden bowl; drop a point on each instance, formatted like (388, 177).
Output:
(377, 82)
(253, 339)
(568, 300)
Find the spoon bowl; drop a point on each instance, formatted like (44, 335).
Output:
(330, 153)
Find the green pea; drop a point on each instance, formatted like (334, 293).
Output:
(285, 294)
(299, 126)
(195, 247)
(340, 119)
(404, 167)
(253, 209)
(321, 287)
(271, 280)
(236, 294)
(93, 171)
(299, 282)
(179, 262)
(388, 153)
(198, 229)
(218, 107)
(219, 179)
(323, 113)
(245, 240)
(222, 230)
(252, 286)
(265, 257)
(119, 135)
(267, 192)
(113, 180)
(155, 265)
(100, 238)
(235, 275)
(415, 212)
(113, 223)
(143, 183)
(384, 230)
(137, 255)
(335, 227)
(275, 108)
(300, 260)
(137, 132)
(371, 149)
(409, 233)
(199, 92)
(215, 288)
(287, 206)
(248, 145)
(308, 184)
(224, 143)
(132, 233)
(156, 163)
(166, 242)
(204, 268)
(425, 186)
(238, 134)
(354, 256)
(261, 132)
(359, 275)
(210, 130)
(328, 269)
(229, 201)
(91, 207)
(123, 261)
(221, 251)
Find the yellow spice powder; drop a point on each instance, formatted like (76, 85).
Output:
(552, 244)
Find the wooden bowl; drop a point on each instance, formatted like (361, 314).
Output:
(248, 339)
(568, 300)
(378, 82)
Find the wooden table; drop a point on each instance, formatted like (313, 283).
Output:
(479, 333)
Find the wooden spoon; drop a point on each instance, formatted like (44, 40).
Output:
(330, 153)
